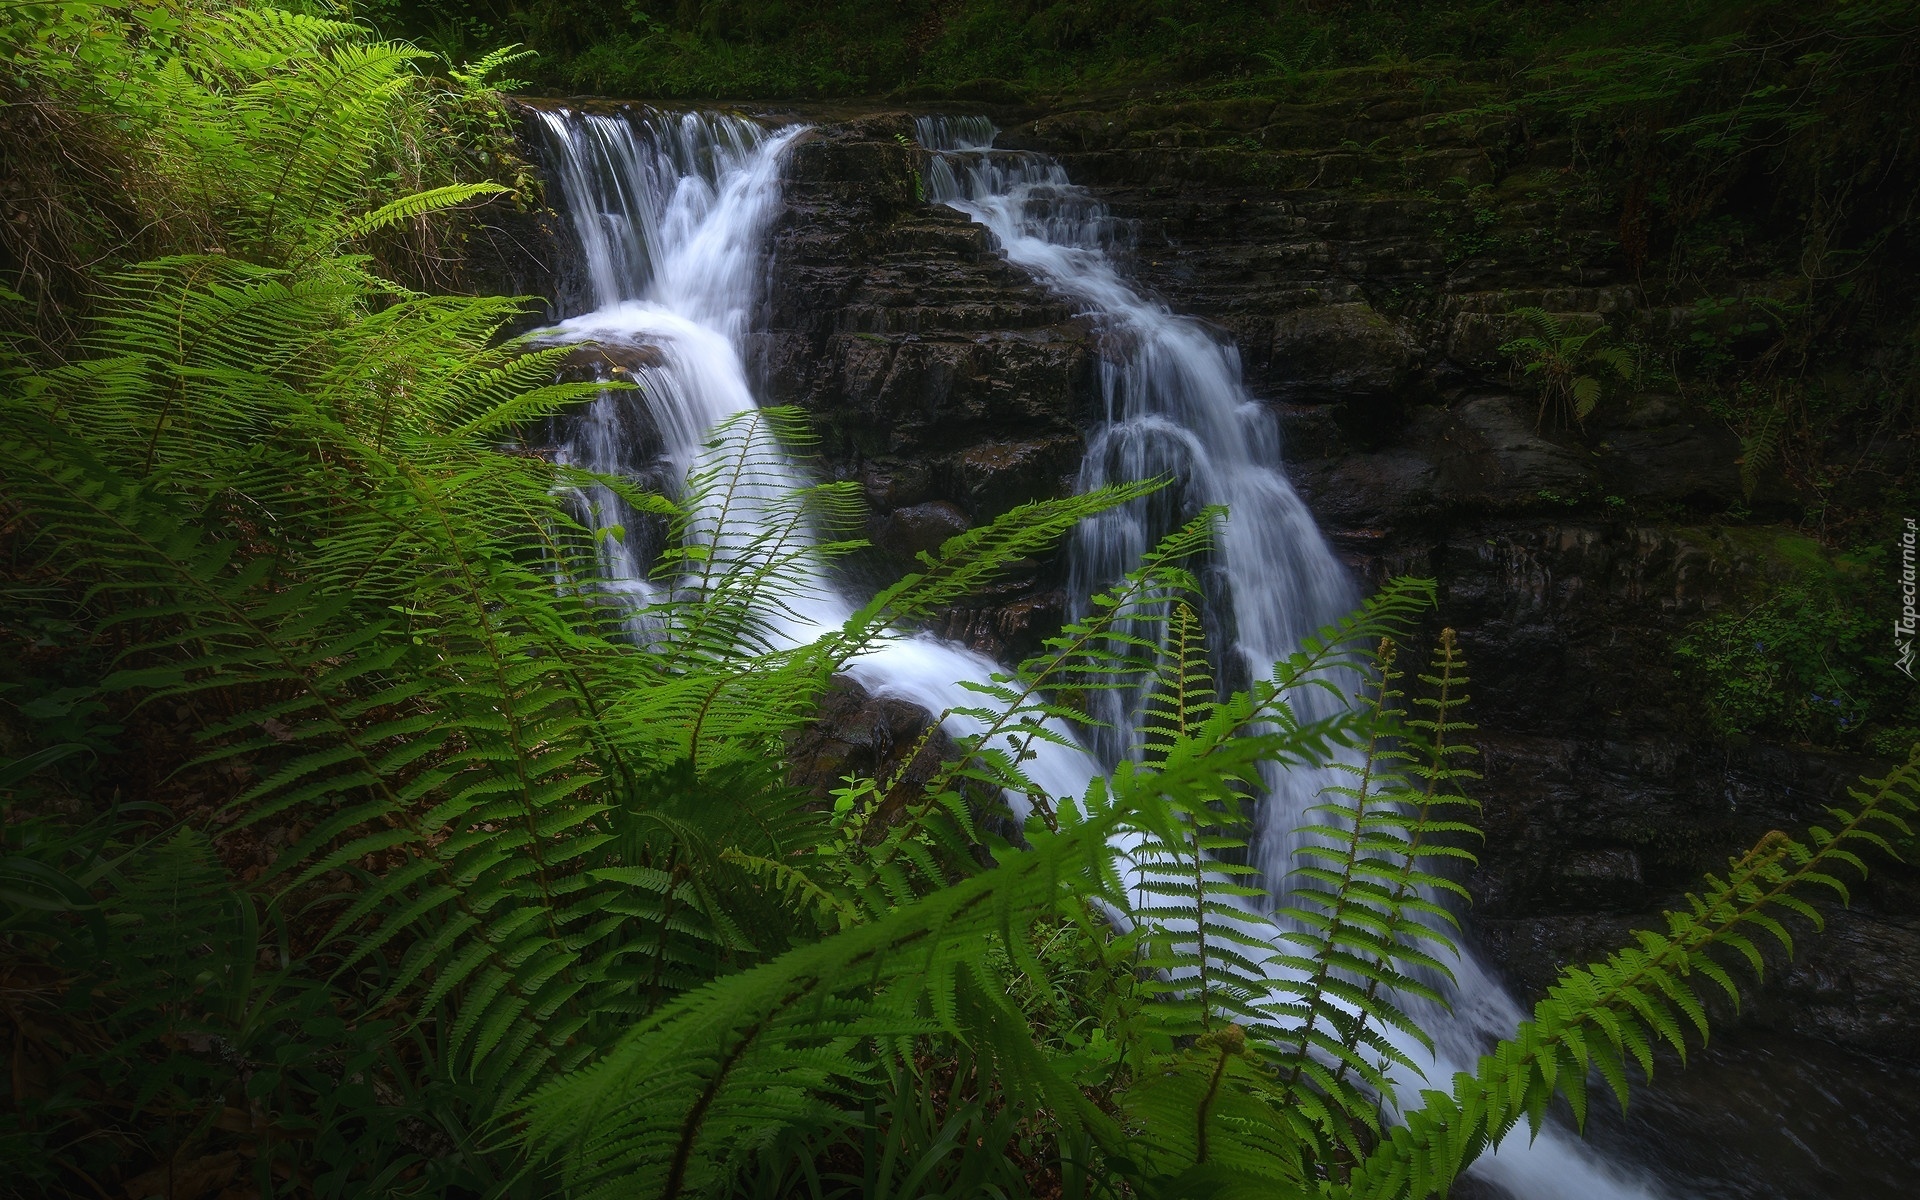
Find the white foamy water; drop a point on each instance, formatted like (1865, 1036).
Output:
(672, 211)
(1175, 407)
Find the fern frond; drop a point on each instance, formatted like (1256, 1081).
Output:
(660, 1113)
(1545, 326)
(417, 205)
(1759, 449)
(1601, 1017)
(479, 73)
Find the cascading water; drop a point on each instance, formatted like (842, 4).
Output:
(671, 212)
(1175, 407)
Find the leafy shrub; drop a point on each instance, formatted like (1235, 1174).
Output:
(1809, 662)
(141, 130)
(1570, 370)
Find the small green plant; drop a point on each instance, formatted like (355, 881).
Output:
(1470, 229)
(478, 76)
(1570, 370)
(919, 182)
(1805, 663)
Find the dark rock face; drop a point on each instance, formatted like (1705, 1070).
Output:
(1346, 351)
(911, 338)
(510, 251)
(882, 738)
(942, 378)
(858, 733)
(917, 528)
(1367, 291)
(954, 388)
(607, 359)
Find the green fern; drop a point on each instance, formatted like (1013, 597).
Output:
(1369, 930)
(1602, 1017)
(1188, 885)
(1571, 370)
(478, 74)
(419, 204)
(1760, 447)
(542, 887)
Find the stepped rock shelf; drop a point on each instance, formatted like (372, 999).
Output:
(1327, 245)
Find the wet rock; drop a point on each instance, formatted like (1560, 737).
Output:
(607, 359)
(1852, 984)
(1007, 632)
(1599, 880)
(906, 532)
(1770, 1115)
(997, 476)
(1331, 351)
(856, 733)
(946, 381)
(892, 741)
(891, 485)
(860, 162)
(1501, 459)
(903, 329)
(633, 427)
(1673, 464)
(1355, 492)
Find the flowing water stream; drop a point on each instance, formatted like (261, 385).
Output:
(672, 210)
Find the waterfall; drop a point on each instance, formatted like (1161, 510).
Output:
(671, 212)
(1175, 406)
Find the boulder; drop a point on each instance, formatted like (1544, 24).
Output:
(857, 733)
(906, 532)
(1335, 351)
(995, 476)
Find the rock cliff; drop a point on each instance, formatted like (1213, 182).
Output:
(1365, 258)
(1365, 253)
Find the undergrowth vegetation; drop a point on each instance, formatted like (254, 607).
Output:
(360, 842)
(986, 49)
(1800, 660)
(1752, 158)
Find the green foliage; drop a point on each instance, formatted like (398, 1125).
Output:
(1760, 447)
(1809, 661)
(982, 49)
(277, 492)
(1202, 1097)
(1745, 142)
(1370, 904)
(149, 129)
(697, 1087)
(470, 880)
(1605, 1016)
(1717, 82)
(1569, 369)
(545, 830)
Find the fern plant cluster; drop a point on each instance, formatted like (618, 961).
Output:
(477, 879)
(1570, 369)
(141, 129)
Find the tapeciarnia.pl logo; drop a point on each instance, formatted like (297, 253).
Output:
(1903, 625)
